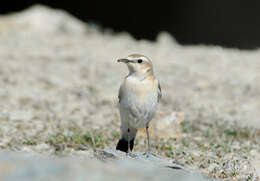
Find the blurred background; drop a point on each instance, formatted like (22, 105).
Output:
(59, 82)
(232, 23)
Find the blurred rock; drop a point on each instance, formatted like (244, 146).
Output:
(43, 20)
(166, 39)
(25, 167)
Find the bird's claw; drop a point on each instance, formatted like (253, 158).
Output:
(149, 153)
(130, 154)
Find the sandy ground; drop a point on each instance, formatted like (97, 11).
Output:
(57, 72)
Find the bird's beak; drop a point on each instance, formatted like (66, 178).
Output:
(124, 60)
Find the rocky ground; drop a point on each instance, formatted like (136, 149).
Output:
(59, 82)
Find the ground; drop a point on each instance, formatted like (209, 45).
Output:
(59, 82)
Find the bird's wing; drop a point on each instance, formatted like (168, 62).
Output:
(159, 91)
(120, 93)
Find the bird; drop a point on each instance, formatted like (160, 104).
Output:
(139, 95)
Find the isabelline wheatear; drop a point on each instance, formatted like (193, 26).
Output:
(139, 95)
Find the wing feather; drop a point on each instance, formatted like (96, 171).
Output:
(159, 91)
(120, 94)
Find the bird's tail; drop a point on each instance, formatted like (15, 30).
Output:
(122, 144)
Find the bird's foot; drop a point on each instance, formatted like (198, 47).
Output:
(148, 153)
(130, 154)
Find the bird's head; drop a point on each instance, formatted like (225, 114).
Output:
(138, 65)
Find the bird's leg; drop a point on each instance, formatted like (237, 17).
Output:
(128, 141)
(148, 151)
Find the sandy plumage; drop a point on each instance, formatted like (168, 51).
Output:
(138, 97)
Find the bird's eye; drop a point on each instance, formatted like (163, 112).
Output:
(139, 60)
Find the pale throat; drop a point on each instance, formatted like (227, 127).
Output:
(141, 74)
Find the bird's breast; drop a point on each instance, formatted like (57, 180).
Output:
(139, 95)
(140, 90)
(139, 101)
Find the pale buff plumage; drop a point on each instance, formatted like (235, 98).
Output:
(139, 95)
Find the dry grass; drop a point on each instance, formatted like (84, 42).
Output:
(218, 149)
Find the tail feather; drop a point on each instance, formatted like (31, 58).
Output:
(122, 145)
